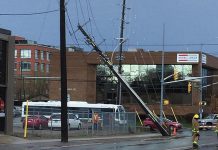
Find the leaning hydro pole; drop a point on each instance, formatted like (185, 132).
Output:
(162, 130)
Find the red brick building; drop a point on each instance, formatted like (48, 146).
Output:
(89, 80)
(31, 60)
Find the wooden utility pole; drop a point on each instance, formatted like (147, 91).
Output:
(64, 126)
(120, 57)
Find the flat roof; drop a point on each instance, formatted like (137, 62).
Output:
(4, 31)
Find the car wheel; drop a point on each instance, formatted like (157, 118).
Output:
(151, 129)
(208, 124)
(79, 127)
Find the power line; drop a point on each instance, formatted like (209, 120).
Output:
(29, 14)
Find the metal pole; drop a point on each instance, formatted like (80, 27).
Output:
(162, 79)
(64, 126)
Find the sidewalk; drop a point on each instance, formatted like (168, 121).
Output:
(6, 139)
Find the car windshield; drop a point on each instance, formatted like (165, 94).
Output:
(57, 116)
(209, 117)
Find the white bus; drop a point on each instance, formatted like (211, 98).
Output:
(83, 109)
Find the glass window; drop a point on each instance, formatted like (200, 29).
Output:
(47, 68)
(47, 55)
(42, 67)
(42, 55)
(36, 67)
(15, 53)
(36, 54)
(25, 53)
(145, 81)
(25, 66)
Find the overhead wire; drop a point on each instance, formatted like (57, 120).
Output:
(71, 26)
(29, 14)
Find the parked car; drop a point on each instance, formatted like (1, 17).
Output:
(73, 121)
(208, 122)
(168, 123)
(16, 112)
(36, 122)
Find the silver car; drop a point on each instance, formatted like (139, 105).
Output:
(73, 121)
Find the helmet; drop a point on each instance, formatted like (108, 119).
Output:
(196, 116)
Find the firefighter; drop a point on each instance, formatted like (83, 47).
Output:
(195, 130)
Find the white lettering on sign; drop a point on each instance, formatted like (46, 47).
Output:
(189, 58)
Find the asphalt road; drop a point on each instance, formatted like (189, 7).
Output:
(182, 141)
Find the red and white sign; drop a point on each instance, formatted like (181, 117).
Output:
(188, 58)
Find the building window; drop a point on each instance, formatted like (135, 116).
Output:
(36, 67)
(47, 55)
(15, 53)
(42, 67)
(36, 54)
(25, 53)
(25, 66)
(47, 68)
(42, 55)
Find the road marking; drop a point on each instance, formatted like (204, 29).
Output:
(67, 146)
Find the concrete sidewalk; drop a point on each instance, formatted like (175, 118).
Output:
(6, 139)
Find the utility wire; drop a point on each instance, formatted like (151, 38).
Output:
(29, 14)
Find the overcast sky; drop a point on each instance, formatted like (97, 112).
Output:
(189, 24)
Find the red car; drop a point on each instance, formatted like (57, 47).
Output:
(36, 122)
(168, 123)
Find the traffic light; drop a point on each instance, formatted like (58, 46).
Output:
(189, 87)
(175, 75)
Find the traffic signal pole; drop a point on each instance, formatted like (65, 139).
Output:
(162, 130)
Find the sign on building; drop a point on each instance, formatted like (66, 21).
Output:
(204, 59)
(187, 58)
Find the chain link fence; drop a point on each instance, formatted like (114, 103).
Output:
(47, 124)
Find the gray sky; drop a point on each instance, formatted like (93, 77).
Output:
(189, 24)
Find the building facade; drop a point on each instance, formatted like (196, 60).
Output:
(90, 80)
(31, 60)
(6, 81)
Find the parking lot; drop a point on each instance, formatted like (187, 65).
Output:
(105, 127)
